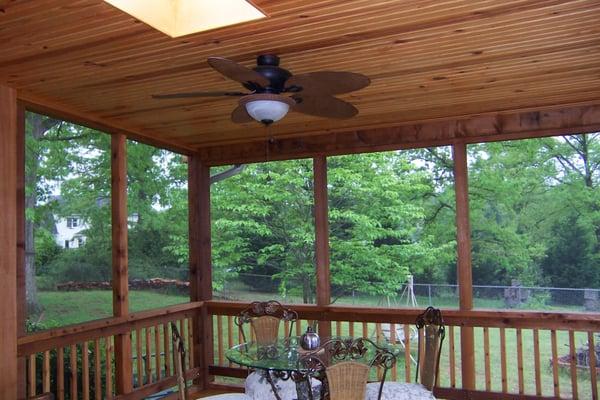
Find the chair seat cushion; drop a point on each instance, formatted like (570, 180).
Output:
(228, 396)
(398, 391)
(258, 388)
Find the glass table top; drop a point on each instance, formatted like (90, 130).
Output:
(282, 356)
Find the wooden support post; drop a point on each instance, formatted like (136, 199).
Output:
(21, 288)
(8, 242)
(464, 273)
(322, 239)
(200, 264)
(120, 284)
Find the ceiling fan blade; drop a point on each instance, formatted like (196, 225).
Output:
(237, 72)
(324, 106)
(196, 94)
(328, 82)
(240, 116)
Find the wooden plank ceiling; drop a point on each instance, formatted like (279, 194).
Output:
(427, 59)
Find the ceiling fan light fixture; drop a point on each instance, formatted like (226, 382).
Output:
(267, 108)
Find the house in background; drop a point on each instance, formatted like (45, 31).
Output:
(69, 231)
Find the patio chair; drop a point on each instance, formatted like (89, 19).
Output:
(343, 366)
(264, 319)
(182, 393)
(431, 329)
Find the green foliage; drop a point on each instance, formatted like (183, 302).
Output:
(46, 248)
(534, 210)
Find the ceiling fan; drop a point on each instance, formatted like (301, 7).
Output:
(268, 86)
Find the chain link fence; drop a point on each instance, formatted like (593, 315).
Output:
(251, 287)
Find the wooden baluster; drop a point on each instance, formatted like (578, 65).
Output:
(299, 327)
(537, 363)
(503, 360)
(97, 371)
(73, 367)
(421, 344)
(46, 372)
(109, 368)
(60, 374)
(148, 355)
(486, 355)
(190, 341)
(351, 328)
(241, 332)
(520, 361)
(138, 356)
(556, 381)
(365, 330)
(85, 371)
(378, 332)
(32, 376)
(175, 354)
(338, 328)
(157, 352)
(573, 364)
(184, 339)
(392, 341)
(221, 358)
(592, 355)
(452, 356)
(167, 343)
(230, 332)
(286, 327)
(407, 359)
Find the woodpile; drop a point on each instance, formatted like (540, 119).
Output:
(135, 284)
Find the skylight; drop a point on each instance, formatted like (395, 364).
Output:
(183, 17)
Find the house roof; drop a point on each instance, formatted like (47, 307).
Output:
(427, 60)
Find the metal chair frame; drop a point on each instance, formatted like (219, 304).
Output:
(271, 308)
(431, 316)
(314, 364)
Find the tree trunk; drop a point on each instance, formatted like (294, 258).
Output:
(37, 126)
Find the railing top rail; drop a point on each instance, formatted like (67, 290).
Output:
(72, 334)
(474, 318)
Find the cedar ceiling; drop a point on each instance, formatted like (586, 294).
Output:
(427, 59)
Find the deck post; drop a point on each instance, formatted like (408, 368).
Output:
(200, 264)
(21, 288)
(8, 242)
(120, 280)
(464, 273)
(322, 239)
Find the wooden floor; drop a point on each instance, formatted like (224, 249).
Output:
(206, 393)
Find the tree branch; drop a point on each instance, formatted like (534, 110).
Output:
(236, 169)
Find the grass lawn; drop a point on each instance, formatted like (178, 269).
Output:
(64, 308)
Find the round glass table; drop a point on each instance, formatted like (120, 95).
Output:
(281, 361)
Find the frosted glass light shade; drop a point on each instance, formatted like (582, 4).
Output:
(267, 111)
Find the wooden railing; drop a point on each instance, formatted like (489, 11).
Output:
(78, 362)
(519, 354)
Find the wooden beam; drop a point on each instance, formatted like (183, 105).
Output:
(464, 273)
(200, 263)
(8, 242)
(21, 287)
(59, 111)
(322, 239)
(481, 128)
(120, 282)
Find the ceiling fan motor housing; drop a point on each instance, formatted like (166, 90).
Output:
(268, 66)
